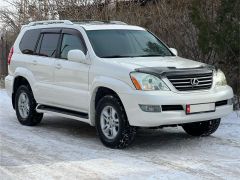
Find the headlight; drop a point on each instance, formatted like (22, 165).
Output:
(147, 82)
(220, 79)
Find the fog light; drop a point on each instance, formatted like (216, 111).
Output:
(150, 108)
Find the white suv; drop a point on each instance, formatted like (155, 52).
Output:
(114, 76)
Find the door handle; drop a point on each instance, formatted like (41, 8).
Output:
(58, 66)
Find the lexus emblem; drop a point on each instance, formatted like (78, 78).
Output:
(194, 81)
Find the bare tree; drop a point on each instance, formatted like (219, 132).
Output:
(169, 19)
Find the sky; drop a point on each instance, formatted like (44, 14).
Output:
(4, 4)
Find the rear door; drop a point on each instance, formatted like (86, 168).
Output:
(43, 64)
(71, 78)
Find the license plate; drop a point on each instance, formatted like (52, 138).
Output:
(200, 108)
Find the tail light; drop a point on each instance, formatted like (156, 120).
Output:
(10, 56)
(188, 109)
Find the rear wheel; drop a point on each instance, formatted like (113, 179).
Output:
(26, 107)
(204, 128)
(112, 124)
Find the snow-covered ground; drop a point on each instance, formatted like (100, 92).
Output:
(61, 148)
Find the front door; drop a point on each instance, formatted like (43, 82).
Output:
(71, 78)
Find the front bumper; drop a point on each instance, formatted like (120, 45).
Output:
(137, 117)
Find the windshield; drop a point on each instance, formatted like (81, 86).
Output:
(126, 43)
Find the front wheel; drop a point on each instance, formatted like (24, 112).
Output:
(204, 128)
(112, 124)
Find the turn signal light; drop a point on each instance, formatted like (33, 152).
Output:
(136, 83)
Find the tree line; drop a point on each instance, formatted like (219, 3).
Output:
(206, 30)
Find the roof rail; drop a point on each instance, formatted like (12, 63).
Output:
(82, 21)
(118, 22)
(50, 22)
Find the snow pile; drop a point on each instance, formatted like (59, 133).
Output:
(61, 148)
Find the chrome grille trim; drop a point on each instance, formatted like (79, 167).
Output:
(206, 77)
(182, 82)
(176, 83)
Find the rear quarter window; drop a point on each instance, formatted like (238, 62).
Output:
(29, 41)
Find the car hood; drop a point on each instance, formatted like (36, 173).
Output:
(172, 62)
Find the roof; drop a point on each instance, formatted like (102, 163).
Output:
(109, 26)
(86, 24)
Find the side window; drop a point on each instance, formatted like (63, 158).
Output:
(29, 41)
(48, 45)
(70, 42)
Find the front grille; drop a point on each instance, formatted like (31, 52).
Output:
(191, 82)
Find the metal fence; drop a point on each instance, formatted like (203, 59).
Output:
(4, 49)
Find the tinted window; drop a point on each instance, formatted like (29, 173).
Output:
(70, 42)
(49, 45)
(29, 40)
(126, 43)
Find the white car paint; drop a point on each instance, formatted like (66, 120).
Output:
(73, 85)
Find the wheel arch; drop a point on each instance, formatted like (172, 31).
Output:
(100, 89)
(17, 82)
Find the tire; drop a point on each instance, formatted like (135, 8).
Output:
(28, 117)
(204, 128)
(125, 133)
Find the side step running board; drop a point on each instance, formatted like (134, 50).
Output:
(62, 112)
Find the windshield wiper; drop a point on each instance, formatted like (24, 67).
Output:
(150, 55)
(115, 56)
(145, 55)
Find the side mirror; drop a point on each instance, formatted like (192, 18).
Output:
(174, 51)
(76, 55)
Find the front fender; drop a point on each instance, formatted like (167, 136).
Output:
(116, 85)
